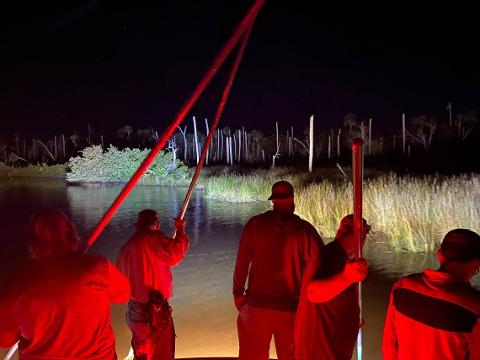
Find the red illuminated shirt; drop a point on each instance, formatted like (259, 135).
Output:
(147, 259)
(273, 252)
(60, 308)
(327, 330)
(432, 315)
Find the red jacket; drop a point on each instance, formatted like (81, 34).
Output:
(60, 308)
(328, 330)
(432, 316)
(273, 252)
(147, 259)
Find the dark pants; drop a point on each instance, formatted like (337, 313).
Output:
(153, 332)
(255, 330)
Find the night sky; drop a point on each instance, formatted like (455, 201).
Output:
(111, 63)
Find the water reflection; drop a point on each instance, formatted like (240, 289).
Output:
(204, 313)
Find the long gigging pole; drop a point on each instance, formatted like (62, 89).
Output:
(209, 138)
(216, 120)
(241, 29)
(11, 351)
(357, 165)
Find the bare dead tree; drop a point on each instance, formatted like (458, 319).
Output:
(423, 128)
(185, 144)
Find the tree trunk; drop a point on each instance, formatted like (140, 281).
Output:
(221, 145)
(63, 146)
(369, 136)
(338, 142)
(329, 151)
(234, 147)
(404, 142)
(310, 147)
(288, 143)
(239, 145)
(196, 139)
(207, 129)
(293, 142)
(227, 150)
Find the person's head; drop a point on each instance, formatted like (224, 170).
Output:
(52, 234)
(147, 220)
(282, 197)
(345, 234)
(459, 253)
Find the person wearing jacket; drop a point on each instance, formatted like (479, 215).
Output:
(434, 315)
(58, 304)
(274, 250)
(327, 321)
(147, 259)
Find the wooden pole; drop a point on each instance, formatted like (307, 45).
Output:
(243, 27)
(357, 165)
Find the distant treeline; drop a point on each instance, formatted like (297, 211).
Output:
(421, 142)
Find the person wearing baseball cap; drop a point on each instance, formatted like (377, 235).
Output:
(434, 314)
(274, 250)
(147, 259)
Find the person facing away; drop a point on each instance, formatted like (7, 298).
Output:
(274, 250)
(58, 304)
(327, 321)
(147, 259)
(434, 314)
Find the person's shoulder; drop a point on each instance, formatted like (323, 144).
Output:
(305, 224)
(407, 280)
(94, 263)
(260, 218)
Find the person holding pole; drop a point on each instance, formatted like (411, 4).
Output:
(147, 259)
(327, 321)
(434, 315)
(58, 304)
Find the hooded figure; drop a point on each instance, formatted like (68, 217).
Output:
(58, 304)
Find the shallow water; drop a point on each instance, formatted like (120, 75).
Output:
(204, 315)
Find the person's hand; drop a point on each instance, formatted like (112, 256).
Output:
(179, 224)
(356, 270)
(240, 301)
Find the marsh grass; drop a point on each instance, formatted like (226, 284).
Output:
(33, 171)
(408, 213)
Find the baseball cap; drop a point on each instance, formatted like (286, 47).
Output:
(461, 245)
(281, 190)
(147, 217)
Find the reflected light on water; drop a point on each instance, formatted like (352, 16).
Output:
(204, 314)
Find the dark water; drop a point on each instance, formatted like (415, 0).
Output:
(204, 314)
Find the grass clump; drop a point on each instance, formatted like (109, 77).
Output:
(409, 213)
(33, 171)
